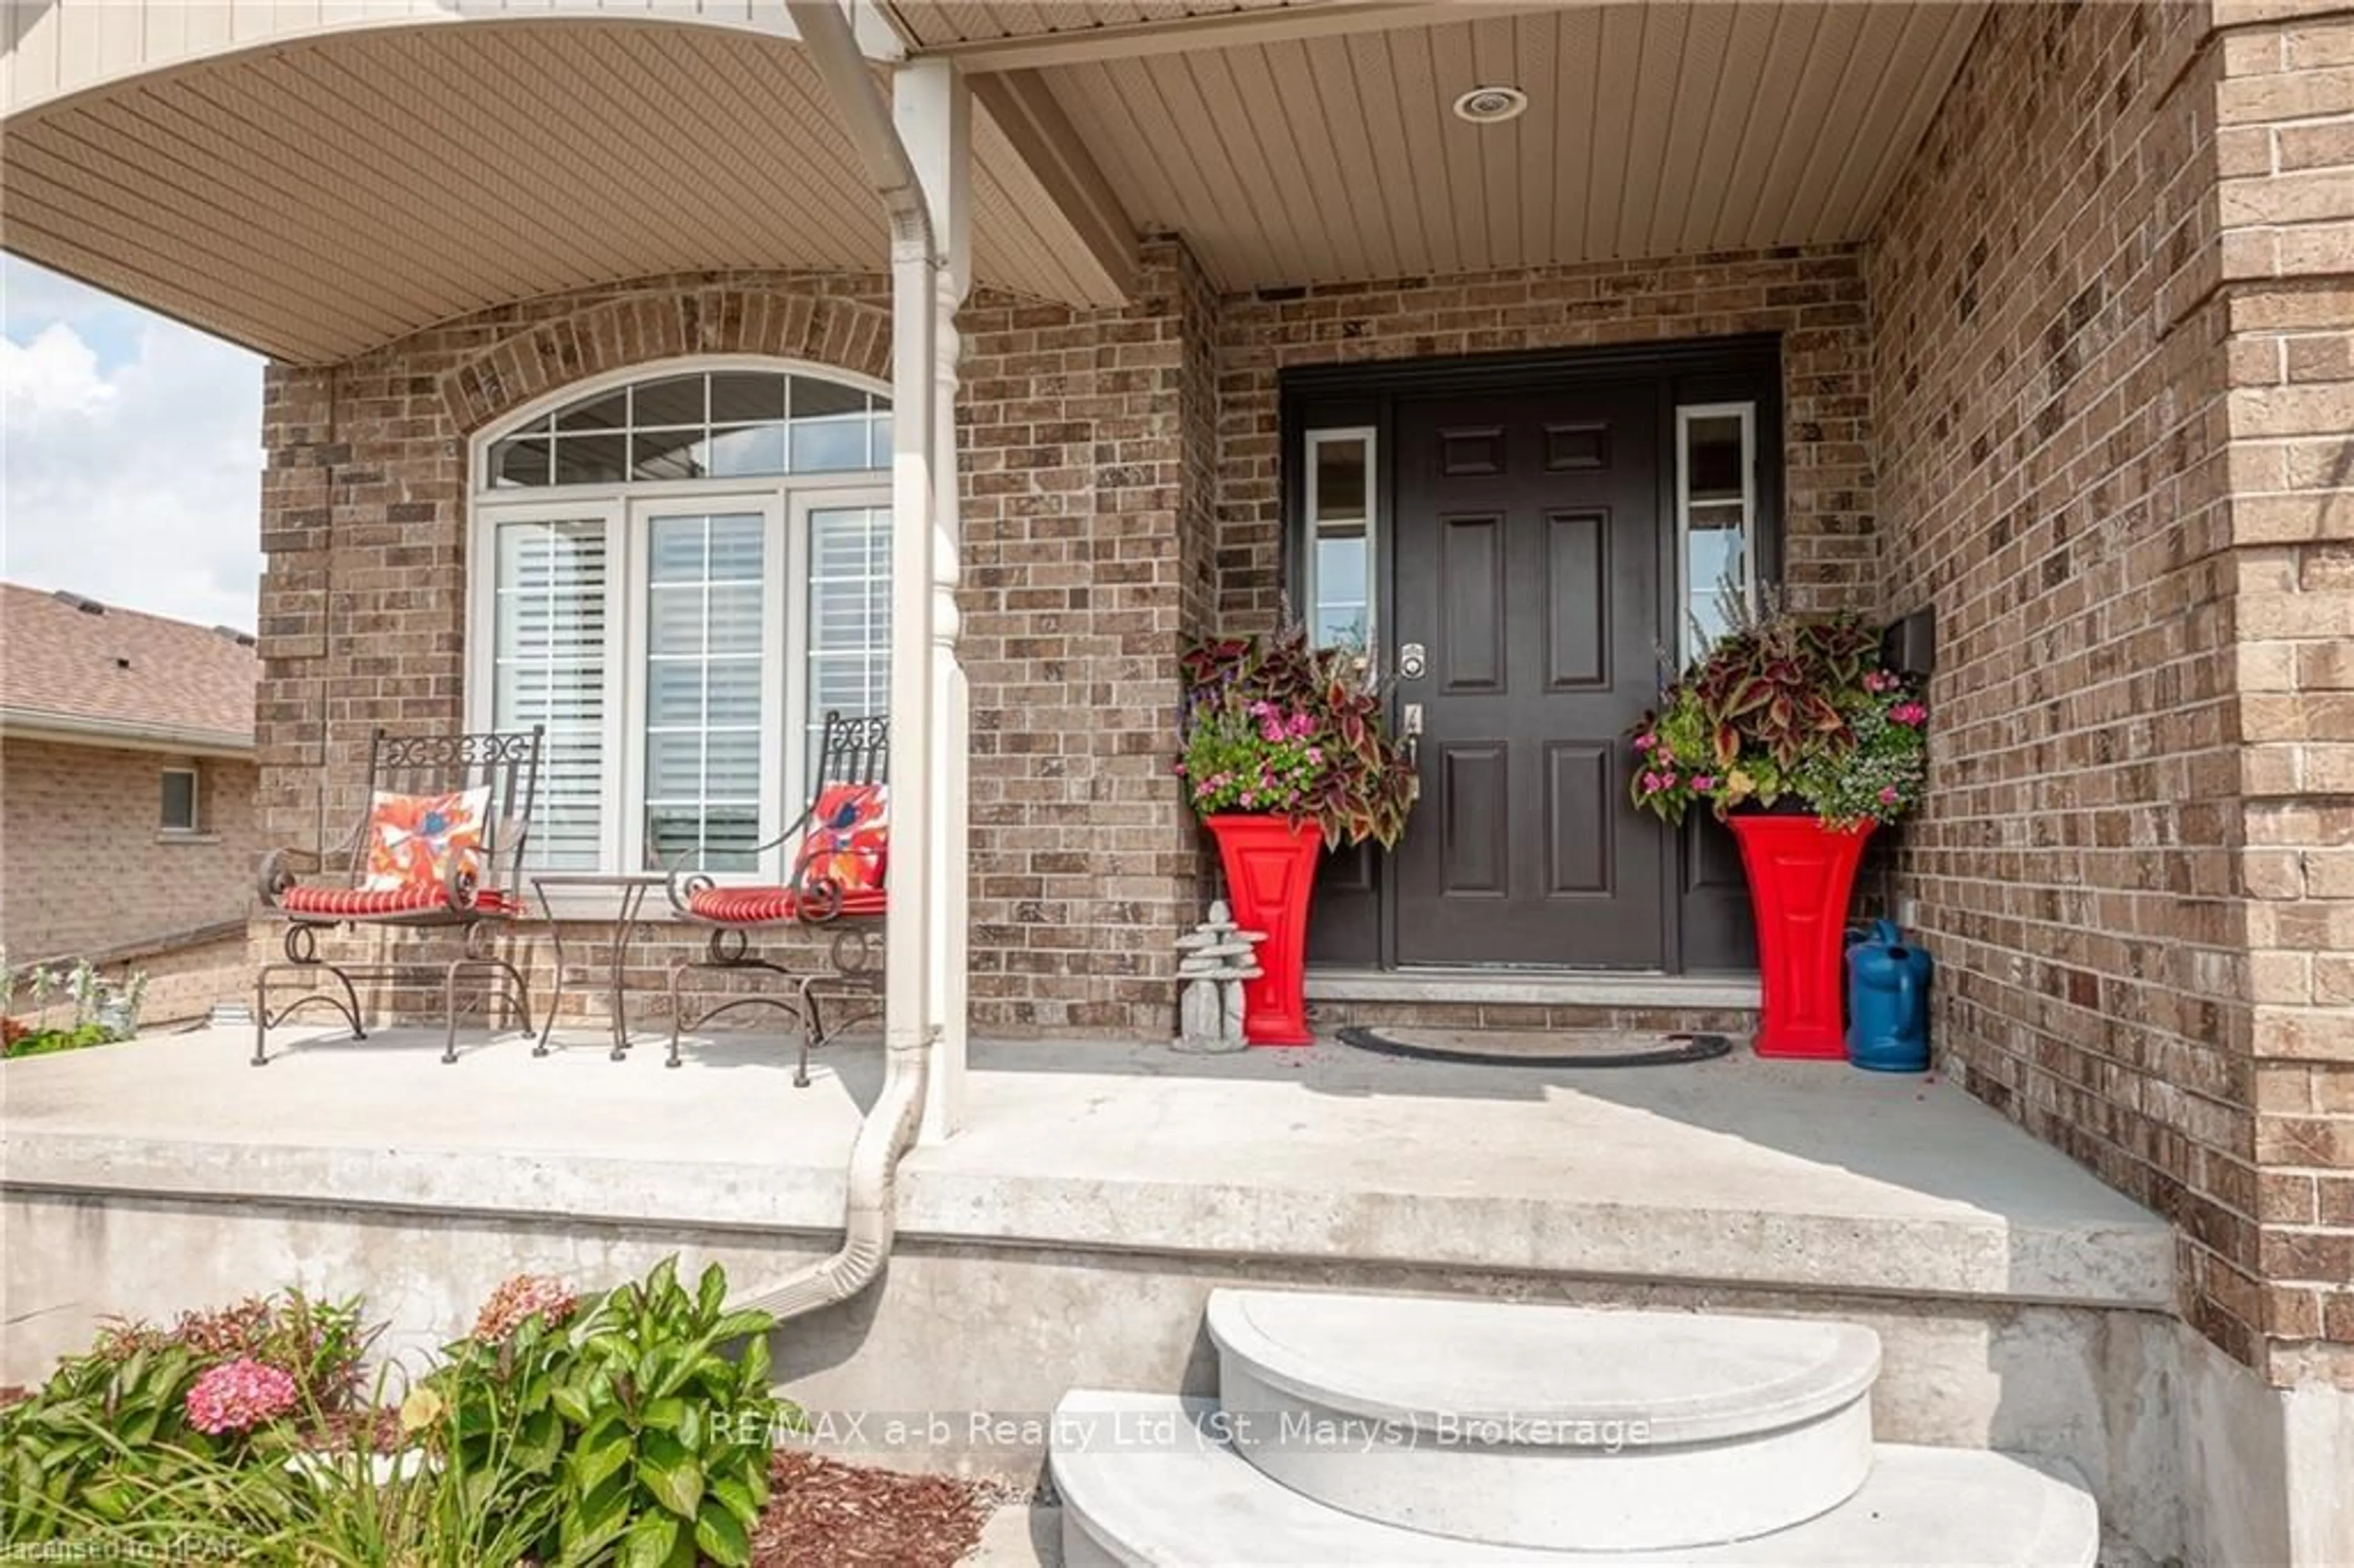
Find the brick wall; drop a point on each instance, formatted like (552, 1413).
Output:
(2284, 151)
(2107, 461)
(84, 865)
(1813, 298)
(1086, 516)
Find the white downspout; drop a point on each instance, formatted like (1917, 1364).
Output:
(909, 1030)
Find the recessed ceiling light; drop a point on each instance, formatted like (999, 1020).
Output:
(1492, 105)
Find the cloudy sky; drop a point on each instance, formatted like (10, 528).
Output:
(130, 453)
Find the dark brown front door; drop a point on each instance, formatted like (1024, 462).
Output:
(1529, 559)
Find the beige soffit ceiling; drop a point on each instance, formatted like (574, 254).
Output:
(316, 198)
(931, 23)
(1651, 130)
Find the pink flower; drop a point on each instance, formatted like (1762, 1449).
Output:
(1666, 780)
(1645, 742)
(1888, 794)
(1301, 724)
(239, 1395)
(1271, 729)
(1704, 782)
(1316, 756)
(526, 1295)
(1911, 714)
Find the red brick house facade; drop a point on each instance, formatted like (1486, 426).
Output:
(2080, 381)
(128, 834)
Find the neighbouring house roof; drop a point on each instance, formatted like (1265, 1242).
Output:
(72, 667)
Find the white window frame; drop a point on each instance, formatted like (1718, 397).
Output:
(194, 828)
(1313, 442)
(1686, 414)
(784, 502)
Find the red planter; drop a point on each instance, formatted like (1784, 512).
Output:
(1270, 873)
(1800, 873)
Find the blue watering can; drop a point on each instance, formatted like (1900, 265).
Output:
(1888, 1001)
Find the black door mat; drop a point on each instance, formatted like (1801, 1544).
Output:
(1538, 1047)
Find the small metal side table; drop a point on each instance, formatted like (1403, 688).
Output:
(633, 886)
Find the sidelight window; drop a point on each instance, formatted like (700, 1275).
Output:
(1339, 587)
(676, 576)
(1716, 521)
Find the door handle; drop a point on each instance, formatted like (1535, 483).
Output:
(1410, 732)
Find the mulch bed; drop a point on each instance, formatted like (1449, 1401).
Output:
(822, 1513)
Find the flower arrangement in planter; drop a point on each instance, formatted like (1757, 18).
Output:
(1286, 749)
(1791, 730)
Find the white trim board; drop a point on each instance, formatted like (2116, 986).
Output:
(1534, 987)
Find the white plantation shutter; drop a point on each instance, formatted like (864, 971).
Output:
(549, 668)
(849, 645)
(705, 578)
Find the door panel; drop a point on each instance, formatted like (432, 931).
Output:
(1470, 645)
(1577, 611)
(1528, 552)
(1577, 818)
(1472, 798)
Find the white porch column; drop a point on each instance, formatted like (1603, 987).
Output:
(933, 112)
(909, 1012)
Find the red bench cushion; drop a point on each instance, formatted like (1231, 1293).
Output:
(374, 903)
(767, 906)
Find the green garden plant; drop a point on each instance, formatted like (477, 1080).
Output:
(1786, 708)
(144, 1404)
(1275, 726)
(652, 1442)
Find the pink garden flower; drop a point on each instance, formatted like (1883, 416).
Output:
(1704, 782)
(1645, 742)
(1910, 713)
(523, 1297)
(1888, 794)
(239, 1395)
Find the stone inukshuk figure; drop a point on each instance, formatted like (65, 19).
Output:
(1214, 960)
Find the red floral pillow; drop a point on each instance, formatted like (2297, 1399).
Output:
(411, 839)
(848, 841)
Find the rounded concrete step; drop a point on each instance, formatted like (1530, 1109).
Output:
(1546, 1427)
(1149, 1481)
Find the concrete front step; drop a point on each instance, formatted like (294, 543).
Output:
(1543, 1426)
(1149, 1481)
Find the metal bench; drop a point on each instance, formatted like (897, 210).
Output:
(439, 846)
(838, 884)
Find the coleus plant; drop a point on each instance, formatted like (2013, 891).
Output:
(1787, 706)
(1274, 726)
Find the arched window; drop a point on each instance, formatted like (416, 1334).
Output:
(678, 574)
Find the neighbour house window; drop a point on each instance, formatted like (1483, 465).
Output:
(679, 577)
(1716, 520)
(179, 813)
(1340, 588)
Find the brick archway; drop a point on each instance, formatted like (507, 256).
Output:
(790, 316)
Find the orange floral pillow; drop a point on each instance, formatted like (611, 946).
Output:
(848, 841)
(412, 838)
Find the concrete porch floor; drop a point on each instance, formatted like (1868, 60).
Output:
(1738, 1171)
